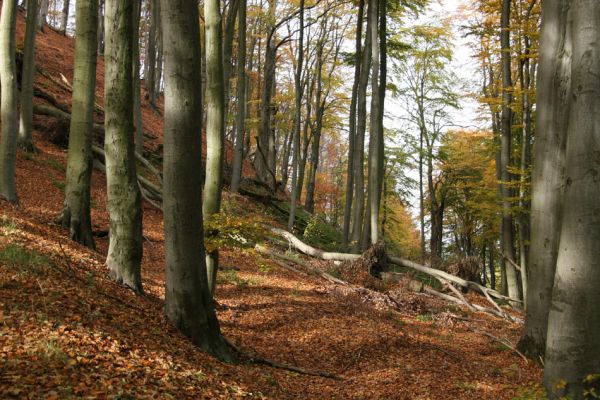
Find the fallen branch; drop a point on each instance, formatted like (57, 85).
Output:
(151, 189)
(313, 252)
(511, 262)
(504, 342)
(56, 113)
(64, 84)
(259, 360)
(477, 307)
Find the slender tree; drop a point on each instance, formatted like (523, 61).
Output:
(297, 119)
(573, 348)
(43, 14)
(376, 128)
(506, 138)
(100, 33)
(25, 138)
(76, 209)
(188, 303)
(240, 119)
(215, 124)
(137, 101)
(150, 62)
(8, 102)
(64, 17)
(124, 198)
(352, 126)
(553, 102)
(361, 127)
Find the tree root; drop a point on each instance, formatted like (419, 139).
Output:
(259, 360)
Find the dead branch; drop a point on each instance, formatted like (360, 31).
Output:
(504, 342)
(313, 252)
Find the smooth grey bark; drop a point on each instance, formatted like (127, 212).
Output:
(573, 348)
(150, 75)
(553, 102)
(124, 198)
(265, 168)
(76, 209)
(43, 14)
(8, 101)
(506, 138)
(100, 27)
(25, 138)
(376, 145)
(352, 127)
(240, 119)
(215, 125)
(359, 150)
(306, 138)
(316, 137)
(137, 101)
(64, 17)
(188, 303)
(228, 36)
(526, 68)
(297, 120)
(159, 57)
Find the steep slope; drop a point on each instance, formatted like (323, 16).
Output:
(66, 331)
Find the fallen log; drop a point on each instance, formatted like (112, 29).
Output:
(313, 252)
(477, 307)
(56, 113)
(154, 190)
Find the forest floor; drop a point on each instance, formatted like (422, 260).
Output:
(67, 331)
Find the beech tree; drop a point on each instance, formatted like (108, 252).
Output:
(572, 348)
(25, 139)
(8, 102)
(553, 104)
(241, 96)
(124, 197)
(76, 209)
(188, 302)
(506, 139)
(215, 120)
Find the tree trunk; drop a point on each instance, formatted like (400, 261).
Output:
(64, 17)
(573, 348)
(100, 27)
(43, 14)
(297, 120)
(240, 119)
(507, 219)
(228, 34)
(150, 76)
(76, 209)
(553, 99)
(492, 268)
(359, 150)
(215, 119)
(124, 199)
(263, 171)
(316, 140)
(137, 102)
(8, 101)
(306, 140)
(188, 303)
(25, 139)
(352, 128)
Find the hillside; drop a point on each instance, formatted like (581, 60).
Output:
(66, 331)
